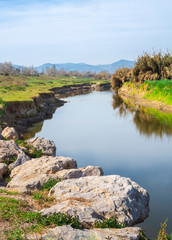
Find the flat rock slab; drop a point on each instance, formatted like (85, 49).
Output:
(68, 233)
(106, 196)
(34, 173)
(47, 147)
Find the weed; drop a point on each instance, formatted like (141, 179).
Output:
(142, 235)
(50, 183)
(109, 223)
(18, 214)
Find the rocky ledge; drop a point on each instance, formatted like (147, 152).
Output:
(83, 193)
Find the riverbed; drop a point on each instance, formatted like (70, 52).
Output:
(100, 129)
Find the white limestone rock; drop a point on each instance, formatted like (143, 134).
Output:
(107, 196)
(47, 147)
(34, 173)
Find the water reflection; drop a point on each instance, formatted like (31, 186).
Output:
(147, 120)
(35, 128)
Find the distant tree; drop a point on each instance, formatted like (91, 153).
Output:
(6, 68)
(102, 76)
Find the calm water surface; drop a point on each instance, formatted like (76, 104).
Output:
(99, 129)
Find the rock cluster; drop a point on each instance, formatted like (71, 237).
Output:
(84, 193)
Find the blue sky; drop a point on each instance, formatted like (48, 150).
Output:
(90, 31)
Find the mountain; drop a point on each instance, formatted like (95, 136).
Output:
(80, 67)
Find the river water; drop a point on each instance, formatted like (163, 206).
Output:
(100, 129)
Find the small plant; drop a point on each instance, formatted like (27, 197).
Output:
(42, 198)
(50, 183)
(142, 235)
(162, 233)
(109, 223)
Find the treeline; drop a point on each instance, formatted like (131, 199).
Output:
(7, 69)
(151, 67)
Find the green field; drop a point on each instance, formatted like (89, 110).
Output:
(24, 88)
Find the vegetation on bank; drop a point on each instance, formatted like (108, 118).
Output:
(24, 88)
(151, 76)
(20, 219)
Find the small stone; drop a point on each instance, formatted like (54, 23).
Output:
(10, 133)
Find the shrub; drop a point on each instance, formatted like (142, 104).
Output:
(153, 66)
(121, 75)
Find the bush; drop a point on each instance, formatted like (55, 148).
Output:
(121, 75)
(153, 66)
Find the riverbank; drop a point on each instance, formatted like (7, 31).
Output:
(22, 114)
(141, 95)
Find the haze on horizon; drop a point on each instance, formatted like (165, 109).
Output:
(90, 31)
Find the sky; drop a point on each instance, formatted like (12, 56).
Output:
(88, 31)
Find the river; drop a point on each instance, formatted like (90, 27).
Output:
(100, 129)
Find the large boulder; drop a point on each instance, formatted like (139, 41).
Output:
(3, 169)
(10, 151)
(107, 196)
(68, 233)
(34, 173)
(10, 133)
(47, 147)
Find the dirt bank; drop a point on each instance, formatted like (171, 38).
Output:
(136, 98)
(22, 114)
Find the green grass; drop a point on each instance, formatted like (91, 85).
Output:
(8, 192)
(160, 90)
(109, 223)
(29, 150)
(50, 183)
(23, 88)
(19, 215)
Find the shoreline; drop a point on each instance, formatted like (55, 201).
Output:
(137, 99)
(23, 114)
